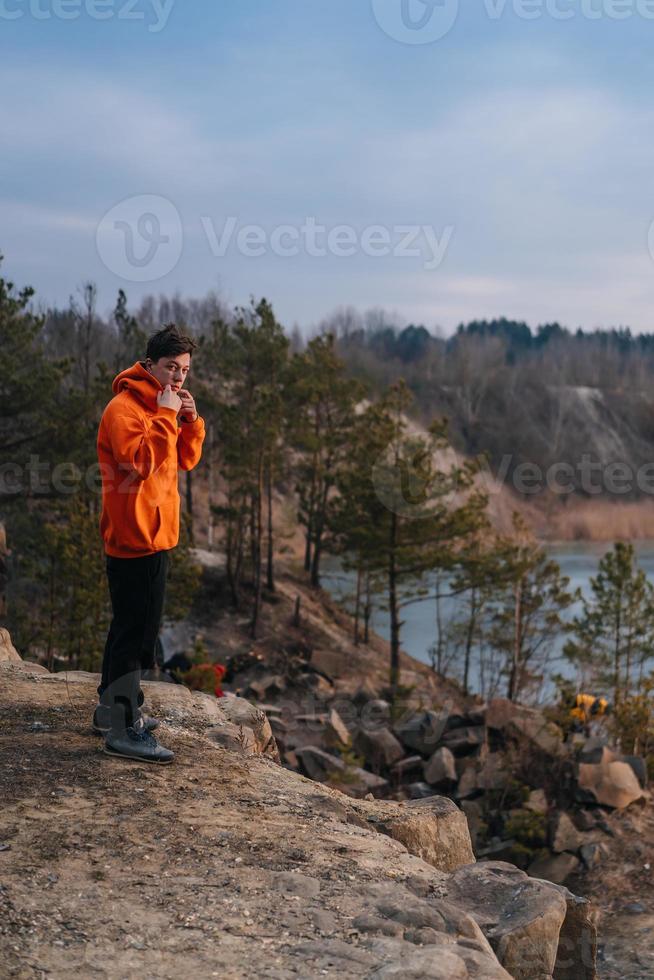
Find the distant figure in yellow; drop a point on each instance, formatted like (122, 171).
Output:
(587, 708)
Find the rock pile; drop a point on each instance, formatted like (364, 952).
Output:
(530, 797)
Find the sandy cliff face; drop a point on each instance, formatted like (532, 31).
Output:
(228, 865)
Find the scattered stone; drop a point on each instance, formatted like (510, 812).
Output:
(584, 820)
(564, 834)
(492, 774)
(477, 716)
(537, 801)
(467, 784)
(441, 768)
(379, 747)
(475, 818)
(323, 920)
(611, 783)
(555, 868)
(525, 723)
(463, 741)
(294, 883)
(409, 764)
(336, 730)
(456, 720)
(39, 726)
(592, 854)
(635, 908)
(420, 791)
(365, 692)
(497, 850)
(324, 767)
(421, 731)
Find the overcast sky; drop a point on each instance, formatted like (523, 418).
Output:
(503, 168)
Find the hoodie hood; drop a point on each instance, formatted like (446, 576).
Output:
(140, 383)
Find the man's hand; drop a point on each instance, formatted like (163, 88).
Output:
(189, 412)
(169, 399)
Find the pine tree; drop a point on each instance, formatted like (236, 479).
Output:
(614, 635)
(321, 402)
(252, 354)
(528, 600)
(404, 515)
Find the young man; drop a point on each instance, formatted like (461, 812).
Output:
(148, 431)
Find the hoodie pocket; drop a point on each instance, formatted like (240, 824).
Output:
(157, 523)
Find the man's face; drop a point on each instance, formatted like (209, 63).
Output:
(170, 370)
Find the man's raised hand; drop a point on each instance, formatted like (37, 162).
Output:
(169, 399)
(189, 411)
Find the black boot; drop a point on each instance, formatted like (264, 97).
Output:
(101, 724)
(136, 742)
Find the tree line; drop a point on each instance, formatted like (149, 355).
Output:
(409, 523)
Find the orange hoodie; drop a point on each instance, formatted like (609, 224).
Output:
(141, 446)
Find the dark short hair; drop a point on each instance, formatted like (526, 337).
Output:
(169, 342)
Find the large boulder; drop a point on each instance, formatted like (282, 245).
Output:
(475, 817)
(611, 782)
(379, 747)
(564, 834)
(525, 724)
(554, 867)
(537, 801)
(520, 916)
(326, 768)
(409, 766)
(433, 829)
(493, 772)
(639, 766)
(421, 730)
(336, 731)
(463, 741)
(441, 768)
(576, 957)
(8, 652)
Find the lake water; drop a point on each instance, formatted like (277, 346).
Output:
(578, 560)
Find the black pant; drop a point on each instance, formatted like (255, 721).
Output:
(137, 587)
